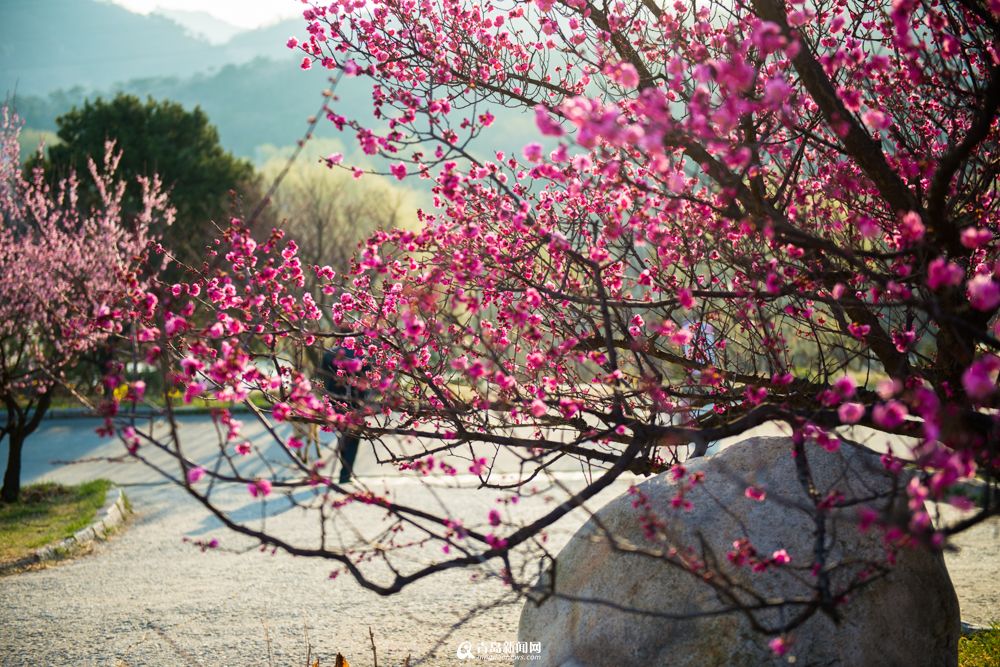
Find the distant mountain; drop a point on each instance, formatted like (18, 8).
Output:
(202, 25)
(62, 52)
(49, 45)
(252, 104)
(267, 42)
(260, 102)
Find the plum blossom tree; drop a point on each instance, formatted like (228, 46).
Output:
(755, 211)
(65, 273)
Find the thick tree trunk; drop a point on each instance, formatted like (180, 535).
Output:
(19, 427)
(12, 478)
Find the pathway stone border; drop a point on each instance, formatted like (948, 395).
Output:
(109, 518)
(969, 629)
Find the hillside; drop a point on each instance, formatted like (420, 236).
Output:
(50, 45)
(202, 25)
(60, 52)
(253, 104)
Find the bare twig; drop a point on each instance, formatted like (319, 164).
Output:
(371, 638)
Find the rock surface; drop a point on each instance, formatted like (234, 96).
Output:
(910, 616)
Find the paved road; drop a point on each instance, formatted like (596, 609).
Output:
(62, 440)
(147, 598)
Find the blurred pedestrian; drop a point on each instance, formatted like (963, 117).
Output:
(343, 374)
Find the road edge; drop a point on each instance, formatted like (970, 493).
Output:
(110, 517)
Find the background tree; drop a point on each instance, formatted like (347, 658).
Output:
(737, 184)
(330, 214)
(158, 137)
(65, 272)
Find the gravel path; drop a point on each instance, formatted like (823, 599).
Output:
(147, 598)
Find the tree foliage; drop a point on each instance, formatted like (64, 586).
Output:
(330, 215)
(159, 137)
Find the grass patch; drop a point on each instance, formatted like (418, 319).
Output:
(47, 513)
(980, 649)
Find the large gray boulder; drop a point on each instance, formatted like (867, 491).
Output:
(908, 617)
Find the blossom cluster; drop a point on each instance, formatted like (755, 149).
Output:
(69, 269)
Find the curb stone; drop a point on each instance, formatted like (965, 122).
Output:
(968, 629)
(110, 517)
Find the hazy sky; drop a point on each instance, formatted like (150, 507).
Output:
(244, 13)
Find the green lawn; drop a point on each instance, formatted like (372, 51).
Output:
(47, 513)
(981, 649)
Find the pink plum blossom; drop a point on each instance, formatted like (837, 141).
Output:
(890, 414)
(260, 488)
(624, 74)
(984, 292)
(851, 413)
(980, 378)
(976, 237)
(941, 273)
(545, 124)
(779, 646)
